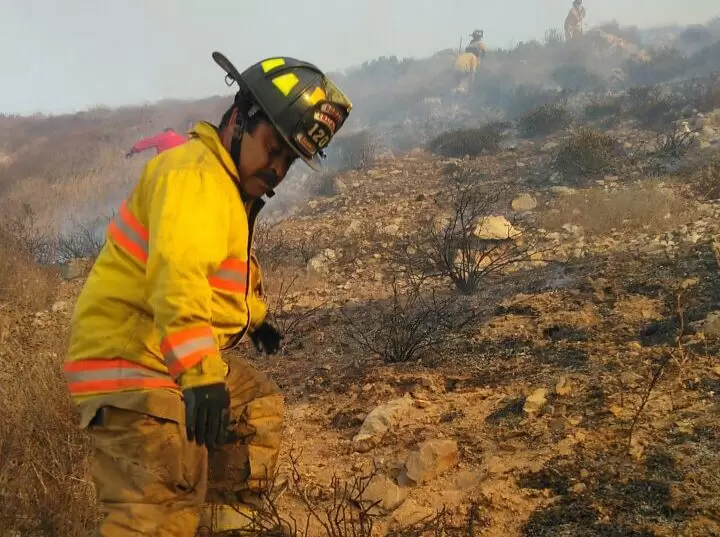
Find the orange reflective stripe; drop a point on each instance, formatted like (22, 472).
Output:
(231, 276)
(129, 233)
(114, 374)
(182, 350)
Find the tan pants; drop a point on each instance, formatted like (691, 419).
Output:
(151, 481)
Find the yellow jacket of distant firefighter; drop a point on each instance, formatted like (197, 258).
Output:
(175, 282)
(466, 63)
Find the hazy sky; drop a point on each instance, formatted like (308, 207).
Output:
(64, 55)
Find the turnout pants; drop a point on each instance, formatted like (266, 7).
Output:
(150, 480)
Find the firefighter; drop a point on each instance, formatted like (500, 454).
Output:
(574, 21)
(467, 63)
(167, 139)
(174, 422)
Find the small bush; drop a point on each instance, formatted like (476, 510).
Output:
(705, 182)
(544, 120)
(324, 185)
(84, 241)
(23, 282)
(603, 108)
(588, 152)
(705, 96)
(664, 65)
(355, 151)
(674, 142)
(577, 77)
(651, 108)
(527, 97)
(412, 320)
(473, 142)
(457, 248)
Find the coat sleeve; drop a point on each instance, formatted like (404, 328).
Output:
(188, 221)
(147, 143)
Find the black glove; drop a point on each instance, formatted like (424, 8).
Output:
(129, 154)
(207, 414)
(266, 338)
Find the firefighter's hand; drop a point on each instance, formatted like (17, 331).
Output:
(266, 338)
(207, 414)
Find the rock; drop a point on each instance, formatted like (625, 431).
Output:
(563, 386)
(319, 262)
(535, 401)
(340, 185)
(352, 228)
(495, 228)
(433, 458)
(392, 229)
(549, 146)
(379, 421)
(711, 326)
(60, 307)
(75, 268)
(524, 202)
(383, 495)
(563, 190)
(468, 479)
(410, 513)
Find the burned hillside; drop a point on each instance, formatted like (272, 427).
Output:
(501, 309)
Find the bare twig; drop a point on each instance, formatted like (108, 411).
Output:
(679, 353)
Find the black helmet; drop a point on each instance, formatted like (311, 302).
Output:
(305, 107)
(477, 34)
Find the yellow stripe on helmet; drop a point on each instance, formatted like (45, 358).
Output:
(269, 65)
(285, 83)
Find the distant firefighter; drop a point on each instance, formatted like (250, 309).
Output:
(467, 63)
(162, 141)
(574, 21)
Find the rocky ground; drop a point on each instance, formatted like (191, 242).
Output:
(583, 401)
(582, 395)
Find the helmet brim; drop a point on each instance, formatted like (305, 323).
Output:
(232, 72)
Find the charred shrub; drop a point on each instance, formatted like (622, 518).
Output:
(414, 319)
(674, 142)
(664, 64)
(355, 151)
(527, 97)
(610, 107)
(577, 77)
(473, 142)
(544, 120)
(704, 95)
(587, 153)
(705, 181)
(651, 108)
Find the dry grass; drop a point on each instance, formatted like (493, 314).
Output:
(43, 455)
(23, 283)
(645, 205)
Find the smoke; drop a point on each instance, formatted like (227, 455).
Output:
(72, 169)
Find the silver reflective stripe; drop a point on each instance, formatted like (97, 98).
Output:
(232, 275)
(119, 373)
(131, 234)
(178, 352)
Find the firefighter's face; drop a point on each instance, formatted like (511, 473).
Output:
(264, 160)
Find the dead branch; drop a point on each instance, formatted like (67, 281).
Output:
(679, 353)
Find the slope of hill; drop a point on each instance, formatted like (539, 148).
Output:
(509, 330)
